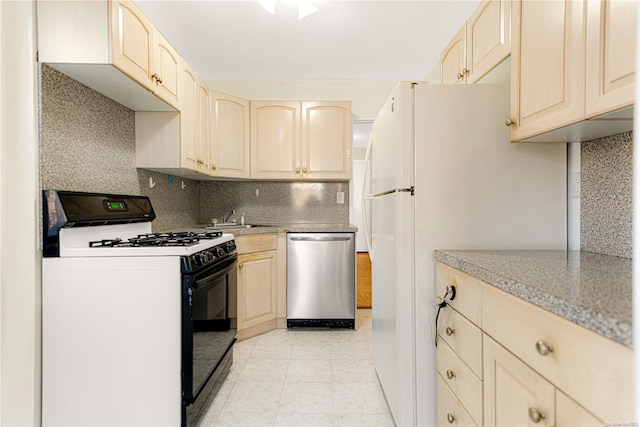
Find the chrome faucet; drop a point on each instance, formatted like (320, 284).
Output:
(229, 216)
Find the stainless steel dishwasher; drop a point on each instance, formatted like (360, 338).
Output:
(321, 279)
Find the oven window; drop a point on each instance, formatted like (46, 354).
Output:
(212, 335)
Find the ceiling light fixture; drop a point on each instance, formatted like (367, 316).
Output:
(305, 7)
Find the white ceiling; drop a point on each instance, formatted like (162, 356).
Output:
(343, 40)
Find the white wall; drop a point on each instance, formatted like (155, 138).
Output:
(367, 96)
(573, 196)
(636, 229)
(20, 324)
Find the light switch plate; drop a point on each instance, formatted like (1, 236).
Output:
(340, 197)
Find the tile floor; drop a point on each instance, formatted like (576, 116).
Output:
(302, 378)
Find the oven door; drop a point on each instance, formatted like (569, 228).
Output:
(206, 332)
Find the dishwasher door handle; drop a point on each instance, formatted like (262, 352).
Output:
(320, 239)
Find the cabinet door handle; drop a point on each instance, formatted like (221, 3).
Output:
(214, 166)
(298, 169)
(200, 162)
(466, 71)
(535, 415)
(240, 265)
(157, 78)
(450, 418)
(450, 374)
(304, 170)
(450, 331)
(509, 122)
(543, 348)
(459, 76)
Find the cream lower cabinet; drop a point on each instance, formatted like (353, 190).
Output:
(502, 361)
(257, 284)
(515, 395)
(300, 140)
(459, 351)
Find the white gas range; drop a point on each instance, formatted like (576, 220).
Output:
(135, 324)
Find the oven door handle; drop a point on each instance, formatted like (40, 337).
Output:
(209, 276)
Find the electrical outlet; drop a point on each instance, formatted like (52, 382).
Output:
(340, 197)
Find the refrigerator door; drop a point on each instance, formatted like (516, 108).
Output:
(392, 253)
(475, 190)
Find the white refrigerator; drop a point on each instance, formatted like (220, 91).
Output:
(445, 176)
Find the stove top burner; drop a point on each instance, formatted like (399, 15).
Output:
(184, 238)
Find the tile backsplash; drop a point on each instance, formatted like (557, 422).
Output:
(275, 202)
(88, 144)
(606, 195)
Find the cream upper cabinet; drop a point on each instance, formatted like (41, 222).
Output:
(514, 394)
(140, 51)
(166, 72)
(488, 38)
(275, 139)
(111, 47)
(300, 140)
(326, 140)
(453, 57)
(547, 73)
(482, 43)
(230, 132)
(194, 121)
(132, 44)
(611, 25)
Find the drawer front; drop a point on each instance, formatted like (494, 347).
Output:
(450, 410)
(593, 370)
(256, 243)
(467, 300)
(461, 380)
(463, 337)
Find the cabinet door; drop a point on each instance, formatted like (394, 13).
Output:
(611, 51)
(166, 71)
(570, 414)
(547, 66)
(488, 37)
(256, 289)
(275, 140)
(326, 140)
(131, 41)
(229, 136)
(513, 392)
(194, 144)
(452, 59)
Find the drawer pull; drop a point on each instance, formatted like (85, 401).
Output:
(450, 331)
(450, 418)
(450, 374)
(535, 415)
(543, 348)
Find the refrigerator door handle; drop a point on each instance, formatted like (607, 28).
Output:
(365, 197)
(395, 190)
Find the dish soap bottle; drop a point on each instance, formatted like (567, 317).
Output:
(241, 219)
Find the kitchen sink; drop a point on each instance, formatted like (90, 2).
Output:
(231, 226)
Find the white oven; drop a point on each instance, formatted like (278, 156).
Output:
(135, 324)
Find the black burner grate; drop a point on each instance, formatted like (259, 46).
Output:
(183, 238)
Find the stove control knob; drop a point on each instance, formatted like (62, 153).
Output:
(209, 257)
(231, 246)
(219, 251)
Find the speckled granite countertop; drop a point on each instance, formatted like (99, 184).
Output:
(278, 228)
(589, 289)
